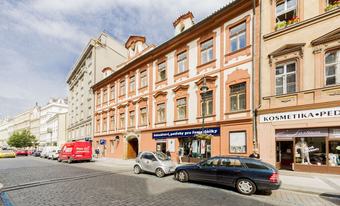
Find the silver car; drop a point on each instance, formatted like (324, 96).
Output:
(154, 162)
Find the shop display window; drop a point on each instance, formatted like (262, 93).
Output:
(196, 148)
(238, 142)
(334, 153)
(161, 147)
(310, 150)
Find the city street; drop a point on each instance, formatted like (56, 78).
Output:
(35, 181)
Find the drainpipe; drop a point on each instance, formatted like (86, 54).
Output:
(254, 125)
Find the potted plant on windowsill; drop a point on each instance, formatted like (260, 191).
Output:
(294, 20)
(334, 5)
(280, 25)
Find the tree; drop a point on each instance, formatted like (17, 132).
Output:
(22, 139)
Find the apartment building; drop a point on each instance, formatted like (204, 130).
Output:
(299, 108)
(97, 60)
(56, 126)
(156, 99)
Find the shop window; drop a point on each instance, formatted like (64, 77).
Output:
(104, 124)
(334, 153)
(132, 86)
(105, 95)
(161, 147)
(207, 51)
(207, 105)
(132, 119)
(238, 97)
(122, 89)
(238, 142)
(98, 98)
(195, 148)
(227, 162)
(310, 150)
(161, 112)
(182, 62)
(122, 120)
(285, 78)
(113, 92)
(286, 10)
(162, 71)
(143, 117)
(181, 108)
(332, 67)
(238, 37)
(143, 79)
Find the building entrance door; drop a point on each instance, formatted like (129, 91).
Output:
(284, 155)
(132, 149)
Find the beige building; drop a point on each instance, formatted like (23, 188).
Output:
(299, 109)
(56, 126)
(95, 62)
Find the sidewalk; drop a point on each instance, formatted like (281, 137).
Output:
(312, 183)
(114, 163)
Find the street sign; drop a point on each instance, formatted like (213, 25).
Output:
(102, 141)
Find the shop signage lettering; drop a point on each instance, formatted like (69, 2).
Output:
(301, 115)
(292, 133)
(215, 131)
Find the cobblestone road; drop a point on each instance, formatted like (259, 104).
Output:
(121, 187)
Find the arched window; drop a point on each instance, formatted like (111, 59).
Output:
(332, 67)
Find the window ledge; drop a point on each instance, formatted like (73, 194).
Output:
(161, 81)
(160, 123)
(207, 116)
(206, 64)
(238, 51)
(143, 87)
(181, 73)
(142, 125)
(237, 112)
(180, 120)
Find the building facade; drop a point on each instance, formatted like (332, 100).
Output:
(299, 113)
(52, 108)
(154, 100)
(56, 126)
(103, 53)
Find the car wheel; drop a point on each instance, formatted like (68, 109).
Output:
(137, 169)
(245, 186)
(160, 172)
(59, 160)
(69, 160)
(182, 176)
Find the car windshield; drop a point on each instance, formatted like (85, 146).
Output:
(161, 156)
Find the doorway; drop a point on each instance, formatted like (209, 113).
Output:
(132, 149)
(284, 155)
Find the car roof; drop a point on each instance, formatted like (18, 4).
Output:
(237, 157)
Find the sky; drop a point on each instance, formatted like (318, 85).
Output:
(40, 40)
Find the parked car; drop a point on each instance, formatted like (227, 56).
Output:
(7, 154)
(154, 162)
(76, 151)
(245, 174)
(36, 153)
(53, 154)
(46, 150)
(21, 152)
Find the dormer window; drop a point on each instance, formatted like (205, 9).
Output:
(286, 10)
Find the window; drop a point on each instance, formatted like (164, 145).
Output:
(112, 121)
(132, 86)
(238, 97)
(255, 165)
(149, 156)
(332, 67)
(122, 89)
(238, 37)
(98, 125)
(181, 62)
(98, 98)
(213, 162)
(122, 120)
(143, 116)
(237, 142)
(285, 78)
(143, 79)
(162, 71)
(104, 124)
(105, 95)
(113, 92)
(334, 153)
(207, 51)
(310, 150)
(181, 108)
(226, 162)
(132, 119)
(286, 10)
(207, 106)
(161, 112)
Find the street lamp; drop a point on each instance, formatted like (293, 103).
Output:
(204, 88)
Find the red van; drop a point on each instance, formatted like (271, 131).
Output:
(76, 151)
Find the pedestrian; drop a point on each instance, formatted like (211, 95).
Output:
(180, 154)
(255, 154)
(97, 152)
(168, 154)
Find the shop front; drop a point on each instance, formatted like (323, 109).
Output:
(192, 145)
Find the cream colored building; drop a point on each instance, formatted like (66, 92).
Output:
(57, 127)
(299, 113)
(96, 61)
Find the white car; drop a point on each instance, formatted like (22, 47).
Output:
(53, 154)
(45, 152)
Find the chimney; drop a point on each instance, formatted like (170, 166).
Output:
(183, 22)
(135, 45)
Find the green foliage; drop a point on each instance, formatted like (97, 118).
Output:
(22, 139)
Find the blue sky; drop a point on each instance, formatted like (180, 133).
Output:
(41, 39)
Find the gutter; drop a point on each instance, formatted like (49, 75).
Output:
(255, 144)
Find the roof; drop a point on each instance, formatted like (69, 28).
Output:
(219, 16)
(133, 39)
(331, 36)
(183, 16)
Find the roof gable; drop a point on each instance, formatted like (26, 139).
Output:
(331, 36)
(288, 48)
